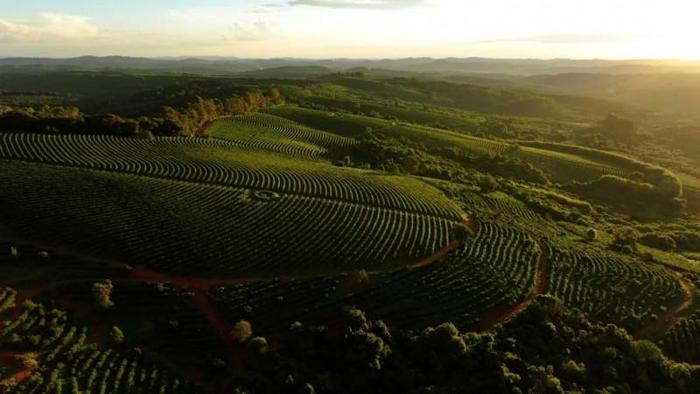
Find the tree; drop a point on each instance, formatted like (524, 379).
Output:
(102, 291)
(618, 128)
(242, 331)
(275, 96)
(259, 345)
(461, 232)
(625, 240)
(116, 335)
(592, 234)
(29, 361)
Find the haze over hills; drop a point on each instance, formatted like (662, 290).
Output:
(473, 65)
(667, 86)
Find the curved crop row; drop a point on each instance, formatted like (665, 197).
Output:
(7, 298)
(564, 162)
(683, 339)
(494, 268)
(197, 229)
(66, 362)
(514, 253)
(566, 167)
(273, 133)
(508, 206)
(203, 162)
(611, 288)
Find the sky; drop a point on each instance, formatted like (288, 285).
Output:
(615, 29)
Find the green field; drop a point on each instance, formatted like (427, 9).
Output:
(272, 133)
(341, 233)
(564, 163)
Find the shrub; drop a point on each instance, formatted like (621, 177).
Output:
(625, 240)
(592, 234)
(242, 331)
(658, 241)
(102, 291)
(116, 335)
(29, 361)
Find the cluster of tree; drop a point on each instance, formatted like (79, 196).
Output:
(545, 349)
(611, 132)
(618, 128)
(684, 240)
(102, 293)
(550, 204)
(649, 200)
(70, 120)
(395, 155)
(196, 116)
(404, 156)
(657, 191)
(625, 240)
(506, 167)
(191, 119)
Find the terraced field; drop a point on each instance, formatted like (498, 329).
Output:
(609, 287)
(200, 229)
(564, 163)
(212, 162)
(276, 134)
(565, 167)
(683, 339)
(7, 298)
(64, 361)
(354, 125)
(196, 206)
(494, 268)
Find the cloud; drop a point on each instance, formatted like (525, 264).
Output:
(48, 27)
(266, 8)
(13, 32)
(358, 4)
(250, 32)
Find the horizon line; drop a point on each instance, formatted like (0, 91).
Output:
(233, 57)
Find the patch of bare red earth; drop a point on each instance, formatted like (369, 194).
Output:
(444, 252)
(200, 288)
(9, 359)
(667, 319)
(439, 255)
(504, 313)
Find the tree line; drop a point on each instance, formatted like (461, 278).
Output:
(545, 349)
(190, 119)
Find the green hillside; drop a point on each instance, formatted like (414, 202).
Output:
(268, 132)
(341, 233)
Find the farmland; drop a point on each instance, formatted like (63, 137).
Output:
(391, 237)
(268, 132)
(373, 229)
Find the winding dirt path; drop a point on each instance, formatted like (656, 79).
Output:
(199, 286)
(667, 319)
(9, 360)
(439, 255)
(504, 313)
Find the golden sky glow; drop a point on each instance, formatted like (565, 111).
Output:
(354, 28)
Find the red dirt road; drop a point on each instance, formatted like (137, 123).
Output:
(199, 286)
(504, 313)
(667, 319)
(8, 359)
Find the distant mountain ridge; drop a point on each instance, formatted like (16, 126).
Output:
(471, 65)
